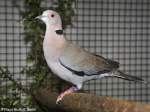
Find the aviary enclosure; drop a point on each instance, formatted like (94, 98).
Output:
(116, 29)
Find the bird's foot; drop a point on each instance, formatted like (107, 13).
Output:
(68, 91)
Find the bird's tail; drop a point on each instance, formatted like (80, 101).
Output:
(122, 75)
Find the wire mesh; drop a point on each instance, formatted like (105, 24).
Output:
(116, 29)
(119, 30)
(13, 50)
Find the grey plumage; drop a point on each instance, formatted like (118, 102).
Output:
(83, 63)
(122, 75)
(72, 63)
(78, 59)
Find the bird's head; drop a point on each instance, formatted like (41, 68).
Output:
(50, 17)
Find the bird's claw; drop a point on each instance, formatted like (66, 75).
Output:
(59, 98)
(68, 91)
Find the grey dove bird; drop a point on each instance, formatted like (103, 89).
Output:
(71, 62)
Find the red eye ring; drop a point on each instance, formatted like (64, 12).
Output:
(52, 15)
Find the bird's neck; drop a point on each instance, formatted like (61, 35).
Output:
(53, 43)
(53, 27)
(51, 35)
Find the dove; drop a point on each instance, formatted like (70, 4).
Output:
(72, 63)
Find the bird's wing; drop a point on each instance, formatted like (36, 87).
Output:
(82, 63)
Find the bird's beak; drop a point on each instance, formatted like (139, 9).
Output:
(38, 17)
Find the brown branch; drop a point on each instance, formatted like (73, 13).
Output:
(80, 102)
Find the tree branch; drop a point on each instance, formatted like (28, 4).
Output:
(80, 102)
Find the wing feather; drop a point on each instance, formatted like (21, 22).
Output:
(83, 63)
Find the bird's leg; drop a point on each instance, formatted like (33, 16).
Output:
(68, 91)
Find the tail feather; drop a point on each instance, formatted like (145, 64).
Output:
(122, 75)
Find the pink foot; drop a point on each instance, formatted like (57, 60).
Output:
(68, 91)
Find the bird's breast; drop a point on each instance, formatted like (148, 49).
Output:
(49, 53)
(53, 47)
(65, 74)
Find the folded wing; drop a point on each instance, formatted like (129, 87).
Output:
(81, 62)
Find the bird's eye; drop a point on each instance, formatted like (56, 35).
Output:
(52, 15)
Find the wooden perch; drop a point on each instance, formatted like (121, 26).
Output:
(81, 102)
